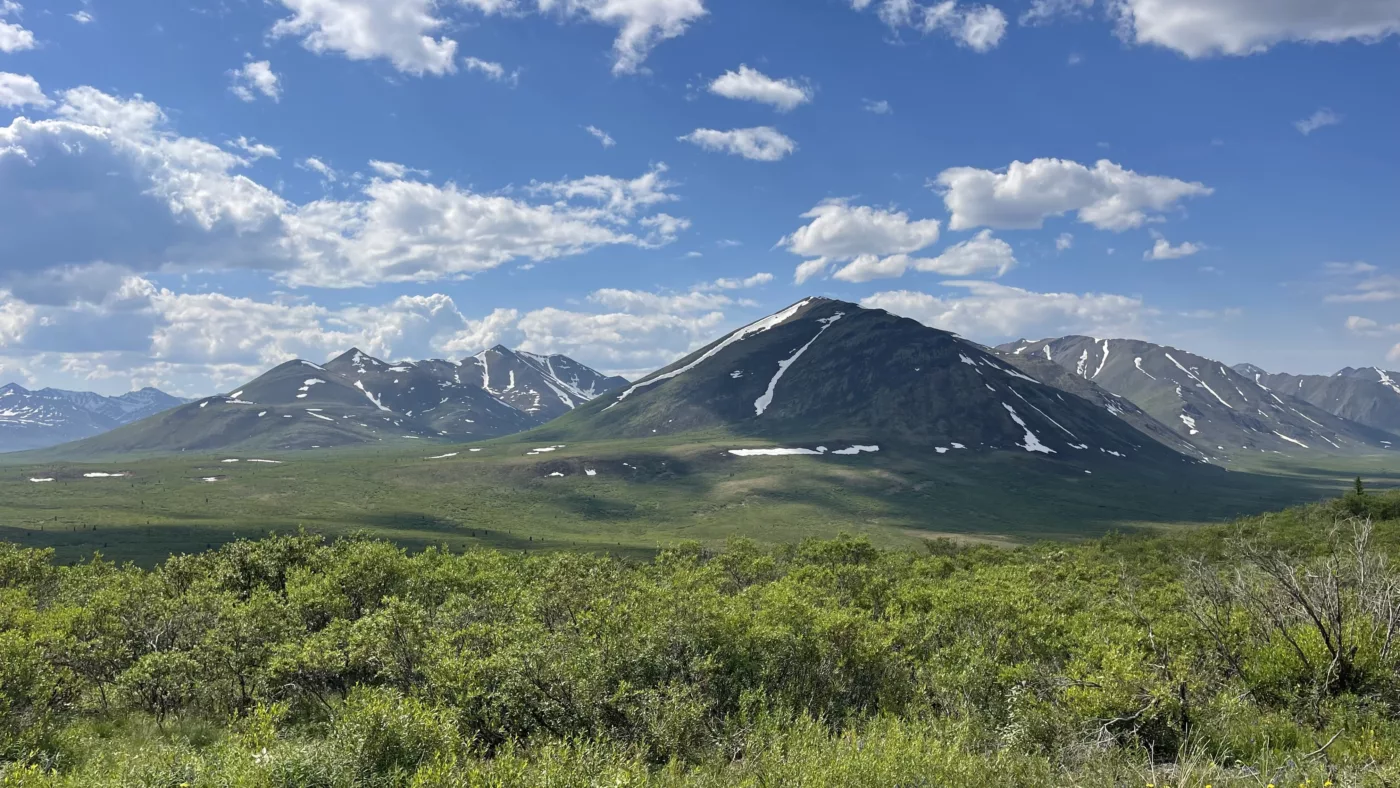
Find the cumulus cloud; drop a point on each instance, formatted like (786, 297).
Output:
(1321, 118)
(762, 143)
(1202, 28)
(254, 149)
(399, 31)
(1163, 250)
(1064, 242)
(841, 232)
(107, 180)
(880, 107)
(977, 27)
(992, 312)
(1022, 196)
(21, 90)
(602, 136)
(394, 170)
(749, 84)
(973, 256)
(408, 33)
(493, 71)
(254, 78)
(13, 37)
(81, 17)
(319, 167)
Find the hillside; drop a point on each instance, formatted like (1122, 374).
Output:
(356, 399)
(827, 375)
(48, 417)
(1369, 396)
(1214, 407)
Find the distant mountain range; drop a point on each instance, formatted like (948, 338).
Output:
(1222, 411)
(819, 376)
(48, 417)
(358, 399)
(1369, 395)
(830, 377)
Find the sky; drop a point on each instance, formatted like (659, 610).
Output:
(191, 193)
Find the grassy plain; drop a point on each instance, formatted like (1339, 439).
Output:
(646, 494)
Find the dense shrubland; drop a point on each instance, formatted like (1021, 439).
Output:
(1263, 652)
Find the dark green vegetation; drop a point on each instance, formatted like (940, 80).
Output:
(646, 494)
(1259, 653)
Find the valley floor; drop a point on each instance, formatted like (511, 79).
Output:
(630, 497)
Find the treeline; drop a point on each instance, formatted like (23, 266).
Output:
(1260, 653)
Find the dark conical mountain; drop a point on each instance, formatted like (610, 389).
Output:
(355, 399)
(834, 374)
(1218, 409)
(1369, 395)
(48, 417)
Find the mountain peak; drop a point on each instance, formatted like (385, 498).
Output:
(12, 388)
(356, 358)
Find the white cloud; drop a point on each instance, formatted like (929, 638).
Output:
(394, 170)
(319, 167)
(81, 17)
(762, 143)
(1319, 119)
(980, 28)
(493, 71)
(641, 24)
(841, 232)
(740, 284)
(1368, 327)
(600, 135)
(1367, 285)
(748, 84)
(1107, 196)
(256, 150)
(1044, 10)
(118, 186)
(399, 31)
(880, 107)
(1064, 242)
(1163, 250)
(993, 312)
(13, 37)
(1202, 28)
(253, 78)
(21, 90)
(973, 256)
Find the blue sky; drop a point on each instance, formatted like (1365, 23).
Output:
(187, 193)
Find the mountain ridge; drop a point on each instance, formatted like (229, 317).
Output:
(39, 418)
(356, 398)
(1220, 410)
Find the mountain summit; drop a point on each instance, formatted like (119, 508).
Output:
(833, 373)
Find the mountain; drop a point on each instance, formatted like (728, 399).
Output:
(1369, 395)
(48, 417)
(356, 398)
(543, 386)
(1220, 410)
(825, 373)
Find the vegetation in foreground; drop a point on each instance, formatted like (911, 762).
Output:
(1255, 654)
